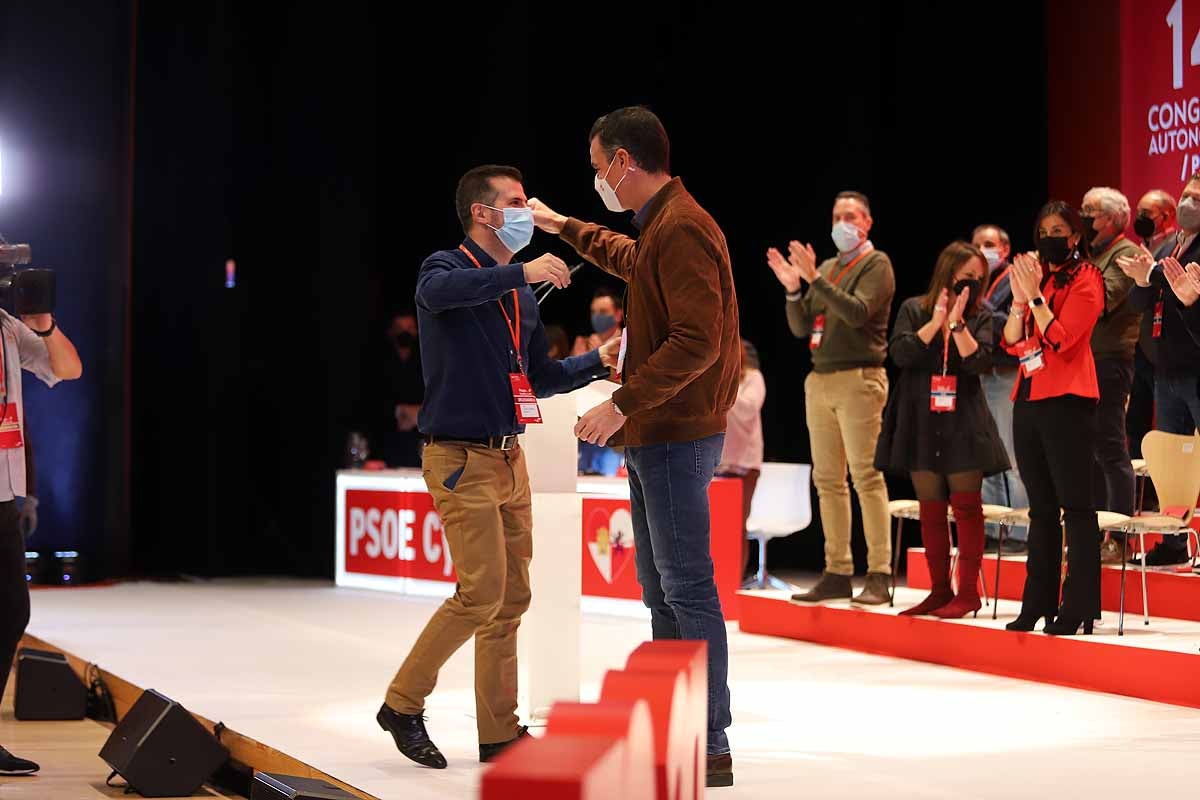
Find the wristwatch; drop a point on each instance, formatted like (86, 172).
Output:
(956, 326)
(46, 333)
(1037, 302)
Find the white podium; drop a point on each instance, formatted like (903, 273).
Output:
(548, 639)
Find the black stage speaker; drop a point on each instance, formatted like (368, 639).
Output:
(161, 750)
(286, 787)
(47, 688)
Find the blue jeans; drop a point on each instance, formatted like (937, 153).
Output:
(1177, 404)
(1005, 489)
(668, 495)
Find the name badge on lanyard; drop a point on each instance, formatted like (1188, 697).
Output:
(818, 332)
(525, 403)
(943, 389)
(1157, 326)
(10, 424)
(1030, 354)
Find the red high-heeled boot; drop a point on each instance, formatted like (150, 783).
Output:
(968, 516)
(935, 535)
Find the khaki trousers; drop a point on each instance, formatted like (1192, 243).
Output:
(845, 413)
(482, 496)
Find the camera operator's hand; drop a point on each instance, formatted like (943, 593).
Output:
(38, 323)
(64, 358)
(27, 519)
(548, 268)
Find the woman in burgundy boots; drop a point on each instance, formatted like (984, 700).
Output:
(937, 427)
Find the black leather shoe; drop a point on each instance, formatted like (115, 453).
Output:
(489, 751)
(411, 739)
(720, 770)
(11, 765)
(1027, 622)
(1065, 626)
(1170, 551)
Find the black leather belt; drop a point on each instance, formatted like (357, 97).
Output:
(491, 442)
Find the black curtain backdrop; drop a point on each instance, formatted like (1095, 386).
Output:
(320, 148)
(935, 110)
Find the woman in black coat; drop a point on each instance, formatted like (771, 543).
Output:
(937, 427)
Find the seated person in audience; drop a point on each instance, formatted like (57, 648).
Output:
(560, 343)
(743, 454)
(608, 318)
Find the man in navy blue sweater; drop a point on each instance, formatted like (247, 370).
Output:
(486, 360)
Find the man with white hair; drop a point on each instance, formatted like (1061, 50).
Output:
(1105, 218)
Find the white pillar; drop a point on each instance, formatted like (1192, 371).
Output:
(548, 641)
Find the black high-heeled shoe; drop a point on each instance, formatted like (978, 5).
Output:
(1026, 623)
(1065, 626)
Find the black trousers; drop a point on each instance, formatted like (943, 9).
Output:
(1113, 473)
(14, 592)
(1054, 443)
(1139, 419)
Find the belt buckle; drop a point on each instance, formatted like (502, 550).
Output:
(508, 442)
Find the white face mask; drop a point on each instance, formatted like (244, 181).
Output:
(609, 193)
(846, 236)
(992, 254)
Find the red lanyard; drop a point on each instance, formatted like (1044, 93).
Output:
(945, 351)
(850, 266)
(515, 330)
(996, 282)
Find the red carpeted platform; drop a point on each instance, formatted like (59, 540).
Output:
(1103, 662)
(1172, 594)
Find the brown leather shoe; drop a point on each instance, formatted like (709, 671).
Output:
(720, 770)
(876, 591)
(830, 587)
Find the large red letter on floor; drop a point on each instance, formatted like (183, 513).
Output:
(672, 677)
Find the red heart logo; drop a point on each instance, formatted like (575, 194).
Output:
(611, 543)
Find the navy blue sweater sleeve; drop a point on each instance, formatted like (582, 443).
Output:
(1143, 298)
(443, 285)
(550, 376)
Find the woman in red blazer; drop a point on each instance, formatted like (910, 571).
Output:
(1057, 298)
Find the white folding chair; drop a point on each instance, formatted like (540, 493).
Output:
(782, 505)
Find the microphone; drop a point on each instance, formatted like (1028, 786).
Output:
(550, 287)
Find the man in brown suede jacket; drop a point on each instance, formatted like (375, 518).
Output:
(681, 371)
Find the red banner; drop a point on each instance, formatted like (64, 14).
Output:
(398, 534)
(1160, 95)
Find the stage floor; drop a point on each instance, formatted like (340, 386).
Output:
(302, 667)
